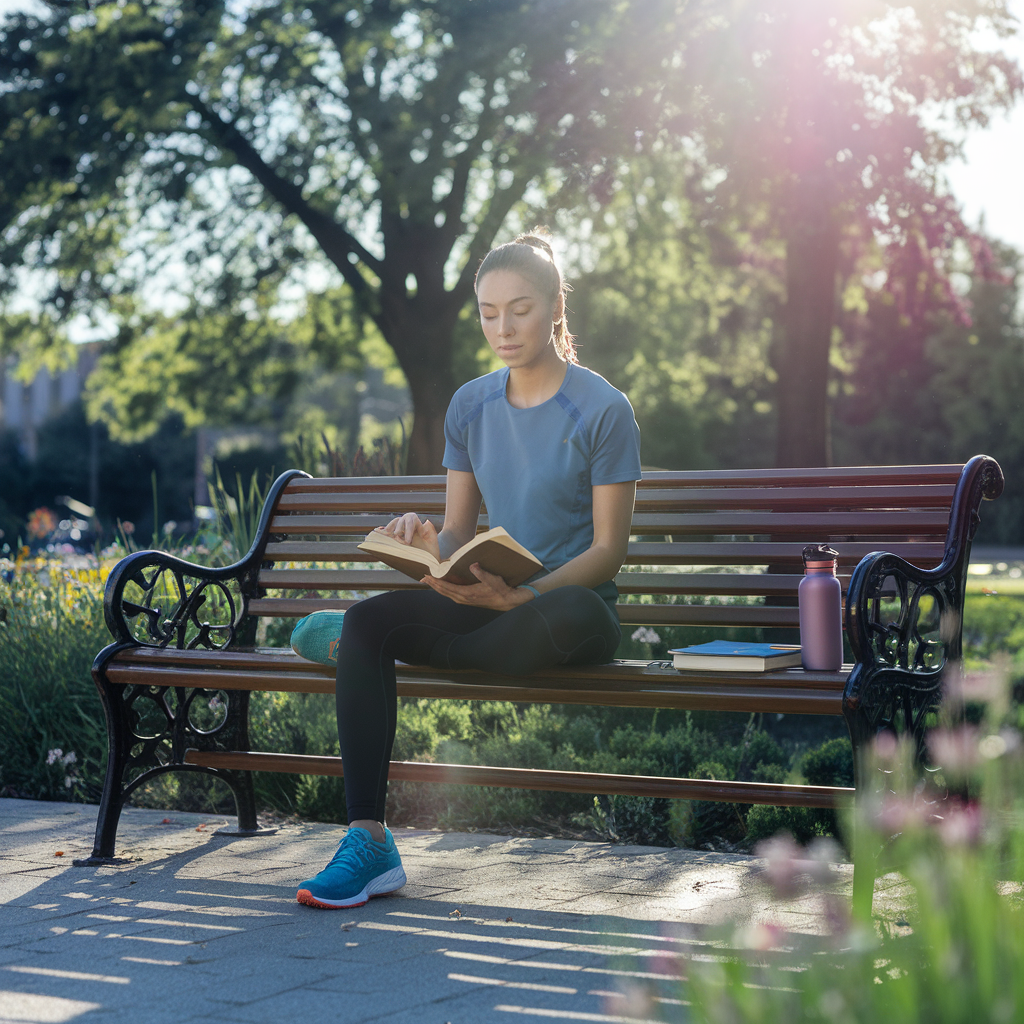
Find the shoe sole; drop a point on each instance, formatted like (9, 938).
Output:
(382, 885)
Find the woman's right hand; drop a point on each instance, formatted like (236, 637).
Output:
(418, 533)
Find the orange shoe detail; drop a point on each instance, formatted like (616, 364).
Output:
(306, 897)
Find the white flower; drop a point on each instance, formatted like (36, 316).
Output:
(645, 635)
(54, 755)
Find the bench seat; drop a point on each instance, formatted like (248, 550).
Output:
(619, 684)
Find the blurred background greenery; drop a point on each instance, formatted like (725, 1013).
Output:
(228, 227)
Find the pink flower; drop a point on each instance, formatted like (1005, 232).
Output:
(634, 1001)
(886, 747)
(955, 750)
(979, 687)
(961, 824)
(760, 936)
(899, 814)
(787, 863)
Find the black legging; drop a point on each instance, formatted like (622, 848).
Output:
(565, 626)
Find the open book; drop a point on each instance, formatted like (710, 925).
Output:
(495, 550)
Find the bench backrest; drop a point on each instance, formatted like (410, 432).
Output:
(697, 538)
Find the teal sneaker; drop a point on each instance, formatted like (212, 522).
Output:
(318, 636)
(361, 868)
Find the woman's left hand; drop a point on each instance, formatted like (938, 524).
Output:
(491, 592)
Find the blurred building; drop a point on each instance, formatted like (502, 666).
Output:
(24, 408)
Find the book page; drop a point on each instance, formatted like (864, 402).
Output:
(512, 564)
(495, 550)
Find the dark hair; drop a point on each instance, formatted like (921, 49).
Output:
(531, 255)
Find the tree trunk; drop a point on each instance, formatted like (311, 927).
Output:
(812, 256)
(422, 341)
(431, 394)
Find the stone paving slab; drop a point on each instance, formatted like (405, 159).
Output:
(199, 927)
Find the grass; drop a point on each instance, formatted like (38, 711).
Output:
(1001, 585)
(51, 626)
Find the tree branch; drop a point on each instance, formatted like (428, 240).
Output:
(500, 205)
(336, 242)
(455, 201)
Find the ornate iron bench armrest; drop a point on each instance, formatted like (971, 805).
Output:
(900, 651)
(925, 629)
(153, 599)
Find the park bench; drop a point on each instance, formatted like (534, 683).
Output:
(718, 548)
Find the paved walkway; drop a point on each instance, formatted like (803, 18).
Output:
(199, 927)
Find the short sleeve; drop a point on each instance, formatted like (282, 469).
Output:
(456, 454)
(615, 444)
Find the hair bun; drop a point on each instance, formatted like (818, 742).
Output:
(537, 240)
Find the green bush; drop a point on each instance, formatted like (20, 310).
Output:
(831, 764)
(994, 623)
(53, 740)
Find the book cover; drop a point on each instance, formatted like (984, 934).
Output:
(495, 550)
(730, 656)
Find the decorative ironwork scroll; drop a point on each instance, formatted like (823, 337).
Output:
(904, 623)
(155, 600)
(162, 604)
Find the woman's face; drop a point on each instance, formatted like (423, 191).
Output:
(517, 318)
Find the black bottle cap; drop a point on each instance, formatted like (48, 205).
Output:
(819, 553)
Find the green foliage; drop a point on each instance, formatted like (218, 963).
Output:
(941, 391)
(242, 362)
(64, 446)
(238, 514)
(547, 737)
(53, 740)
(242, 156)
(679, 319)
(830, 764)
(994, 623)
(387, 142)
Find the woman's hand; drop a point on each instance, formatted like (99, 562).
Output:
(417, 533)
(491, 592)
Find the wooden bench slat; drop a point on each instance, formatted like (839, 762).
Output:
(675, 499)
(616, 673)
(323, 484)
(920, 553)
(703, 584)
(296, 607)
(895, 523)
(662, 690)
(836, 476)
(532, 778)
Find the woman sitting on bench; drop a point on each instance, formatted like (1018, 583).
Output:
(554, 452)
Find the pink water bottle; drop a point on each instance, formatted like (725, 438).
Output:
(821, 610)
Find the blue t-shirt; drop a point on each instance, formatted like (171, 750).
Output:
(535, 467)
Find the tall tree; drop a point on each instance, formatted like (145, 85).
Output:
(678, 315)
(832, 120)
(391, 137)
(945, 392)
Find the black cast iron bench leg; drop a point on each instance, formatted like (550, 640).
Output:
(121, 738)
